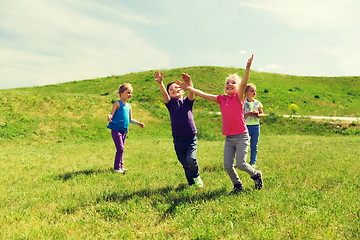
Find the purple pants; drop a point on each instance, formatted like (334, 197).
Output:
(119, 140)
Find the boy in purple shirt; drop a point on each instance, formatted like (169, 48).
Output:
(182, 126)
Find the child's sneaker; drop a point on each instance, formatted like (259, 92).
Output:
(258, 180)
(198, 182)
(237, 188)
(125, 170)
(120, 171)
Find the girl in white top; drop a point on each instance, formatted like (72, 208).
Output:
(252, 112)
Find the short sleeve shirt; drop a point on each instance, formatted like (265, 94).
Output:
(232, 114)
(181, 116)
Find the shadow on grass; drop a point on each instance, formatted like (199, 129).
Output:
(172, 197)
(69, 175)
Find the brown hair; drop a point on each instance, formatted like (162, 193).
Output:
(168, 86)
(123, 87)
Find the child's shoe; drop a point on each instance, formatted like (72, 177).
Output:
(198, 182)
(120, 171)
(124, 169)
(258, 180)
(237, 188)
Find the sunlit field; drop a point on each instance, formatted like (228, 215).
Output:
(68, 190)
(56, 156)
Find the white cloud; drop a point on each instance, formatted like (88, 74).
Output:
(242, 52)
(271, 68)
(51, 42)
(320, 14)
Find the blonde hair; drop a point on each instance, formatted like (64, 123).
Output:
(123, 87)
(249, 85)
(234, 76)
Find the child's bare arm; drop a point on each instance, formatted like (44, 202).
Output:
(133, 121)
(159, 79)
(197, 92)
(245, 79)
(115, 106)
(260, 113)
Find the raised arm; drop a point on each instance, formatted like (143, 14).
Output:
(187, 79)
(159, 79)
(245, 79)
(197, 92)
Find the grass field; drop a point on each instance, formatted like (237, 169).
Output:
(56, 156)
(68, 191)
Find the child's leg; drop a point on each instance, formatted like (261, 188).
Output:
(191, 160)
(119, 140)
(254, 132)
(242, 146)
(185, 150)
(229, 155)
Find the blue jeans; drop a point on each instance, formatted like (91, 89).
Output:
(254, 133)
(185, 148)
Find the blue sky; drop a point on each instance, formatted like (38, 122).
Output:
(48, 42)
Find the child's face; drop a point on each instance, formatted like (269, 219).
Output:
(251, 92)
(127, 94)
(231, 86)
(175, 91)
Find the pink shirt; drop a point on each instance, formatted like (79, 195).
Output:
(232, 114)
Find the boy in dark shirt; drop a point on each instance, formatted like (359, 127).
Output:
(182, 125)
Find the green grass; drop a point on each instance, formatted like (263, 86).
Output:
(56, 156)
(68, 191)
(77, 110)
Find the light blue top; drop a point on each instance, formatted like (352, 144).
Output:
(121, 118)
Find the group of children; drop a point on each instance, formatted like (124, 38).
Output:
(240, 125)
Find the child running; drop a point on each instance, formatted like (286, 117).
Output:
(252, 112)
(233, 125)
(119, 120)
(182, 125)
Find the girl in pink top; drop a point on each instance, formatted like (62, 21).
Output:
(233, 127)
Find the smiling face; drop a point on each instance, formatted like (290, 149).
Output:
(175, 91)
(231, 86)
(127, 94)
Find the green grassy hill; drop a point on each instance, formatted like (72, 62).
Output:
(57, 179)
(77, 110)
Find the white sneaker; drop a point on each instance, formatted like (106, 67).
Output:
(120, 171)
(125, 170)
(198, 182)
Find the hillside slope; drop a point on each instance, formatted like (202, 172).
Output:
(77, 110)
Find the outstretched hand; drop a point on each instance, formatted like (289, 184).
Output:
(183, 85)
(187, 79)
(158, 77)
(249, 61)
